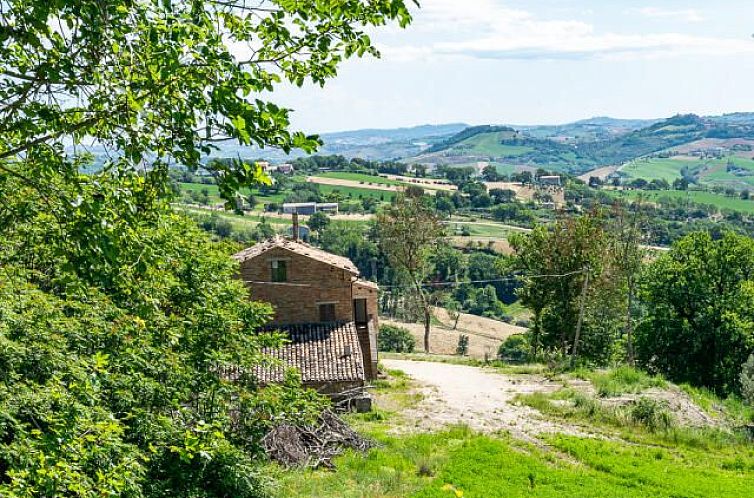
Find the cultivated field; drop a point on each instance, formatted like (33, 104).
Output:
(429, 183)
(697, 196)
(485, 334)
(600, 173)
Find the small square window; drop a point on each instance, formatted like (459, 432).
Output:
(279, 271)
(327, 312)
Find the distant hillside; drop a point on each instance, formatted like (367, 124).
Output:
(469, 133)
(395, 134)
(574, 147)
(581, 146)
(597, 128)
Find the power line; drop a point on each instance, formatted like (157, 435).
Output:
(450, 283)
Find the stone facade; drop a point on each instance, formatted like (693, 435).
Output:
(309, 284)
(306, 285)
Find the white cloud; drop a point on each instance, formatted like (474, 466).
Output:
(488, 29)
(687, 15)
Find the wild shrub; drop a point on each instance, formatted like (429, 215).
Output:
(651, 413)
(395, 339)
(514, 349)
(462, 349)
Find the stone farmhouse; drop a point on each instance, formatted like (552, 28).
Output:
(328, 312)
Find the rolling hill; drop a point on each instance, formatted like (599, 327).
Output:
(583, 145)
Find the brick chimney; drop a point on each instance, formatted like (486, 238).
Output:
(295, 226)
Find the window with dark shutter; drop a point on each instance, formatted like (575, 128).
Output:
(279, 271)
(327, 312)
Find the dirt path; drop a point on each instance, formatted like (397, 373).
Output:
(479, 398)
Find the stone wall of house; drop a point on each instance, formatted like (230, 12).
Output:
(370, 293)
(309, 283)
(368, 336)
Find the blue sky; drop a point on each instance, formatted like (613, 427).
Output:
(542, 62)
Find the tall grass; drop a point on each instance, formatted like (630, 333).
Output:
(620, 380)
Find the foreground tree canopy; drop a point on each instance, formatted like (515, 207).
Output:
(700, 311)
(118, 317)
(158, 81)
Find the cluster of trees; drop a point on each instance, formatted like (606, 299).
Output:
(687, 313)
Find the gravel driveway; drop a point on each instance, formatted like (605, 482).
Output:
(477, 397)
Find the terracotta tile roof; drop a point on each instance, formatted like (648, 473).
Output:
(297, 247)
(322, 352)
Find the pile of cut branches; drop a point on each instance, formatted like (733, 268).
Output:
(313, 446)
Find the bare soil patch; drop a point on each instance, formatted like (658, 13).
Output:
(600, 173)
(500, 246)
(485, 334)
(477, 397)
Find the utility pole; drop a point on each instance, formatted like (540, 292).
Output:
(584, 290)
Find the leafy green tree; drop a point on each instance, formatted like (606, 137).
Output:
(483, 267)
(699, 300)
(408, 232)
(490, 174)
(449, 263)
(462, 349)
(354, 242)
(395, 339)
(556, 261)
(453, 308)
(484, 302)
(318, 221)
(161, 81)
(514, 349)
(500, 195)
(113, 361)
(629, 258)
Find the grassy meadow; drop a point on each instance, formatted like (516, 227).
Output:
(626, 457)
(659, 169)
(359, 177)
(488, 144)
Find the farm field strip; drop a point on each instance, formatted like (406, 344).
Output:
(698, 196)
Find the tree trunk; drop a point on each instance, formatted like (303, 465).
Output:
(630, 324)
(535, 334)
(427, 314)
(455, 323)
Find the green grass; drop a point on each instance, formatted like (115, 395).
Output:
(660, 169)
(709, 171)
(619, 380)
(505, 169)
(457, 462)
(359, 177)
(696, 196)
(481, 229)
(357, 193)
(732, 408)
(488, 144)
(214, 192)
